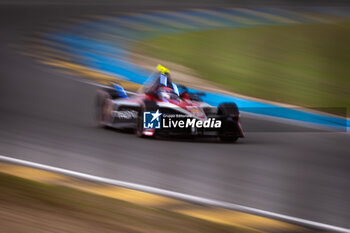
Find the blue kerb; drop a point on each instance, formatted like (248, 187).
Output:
(275, 111)
(126, 70)
(77, 43)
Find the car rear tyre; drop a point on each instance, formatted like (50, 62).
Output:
(229, 110)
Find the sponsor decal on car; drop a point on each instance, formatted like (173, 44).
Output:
(125, 114)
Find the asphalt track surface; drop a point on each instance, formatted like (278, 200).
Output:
(47, 117)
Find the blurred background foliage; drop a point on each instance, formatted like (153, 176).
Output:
(305, 65)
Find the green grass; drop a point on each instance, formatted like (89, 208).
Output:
(28, 206)
(305, 65)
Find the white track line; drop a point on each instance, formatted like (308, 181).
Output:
(177, 195)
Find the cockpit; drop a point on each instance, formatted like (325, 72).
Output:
(167, 93)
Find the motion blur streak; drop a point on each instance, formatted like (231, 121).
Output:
(47, 117)
(216, 215)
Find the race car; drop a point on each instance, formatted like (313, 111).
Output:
(163, 108)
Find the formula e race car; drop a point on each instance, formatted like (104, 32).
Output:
(162, 107)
